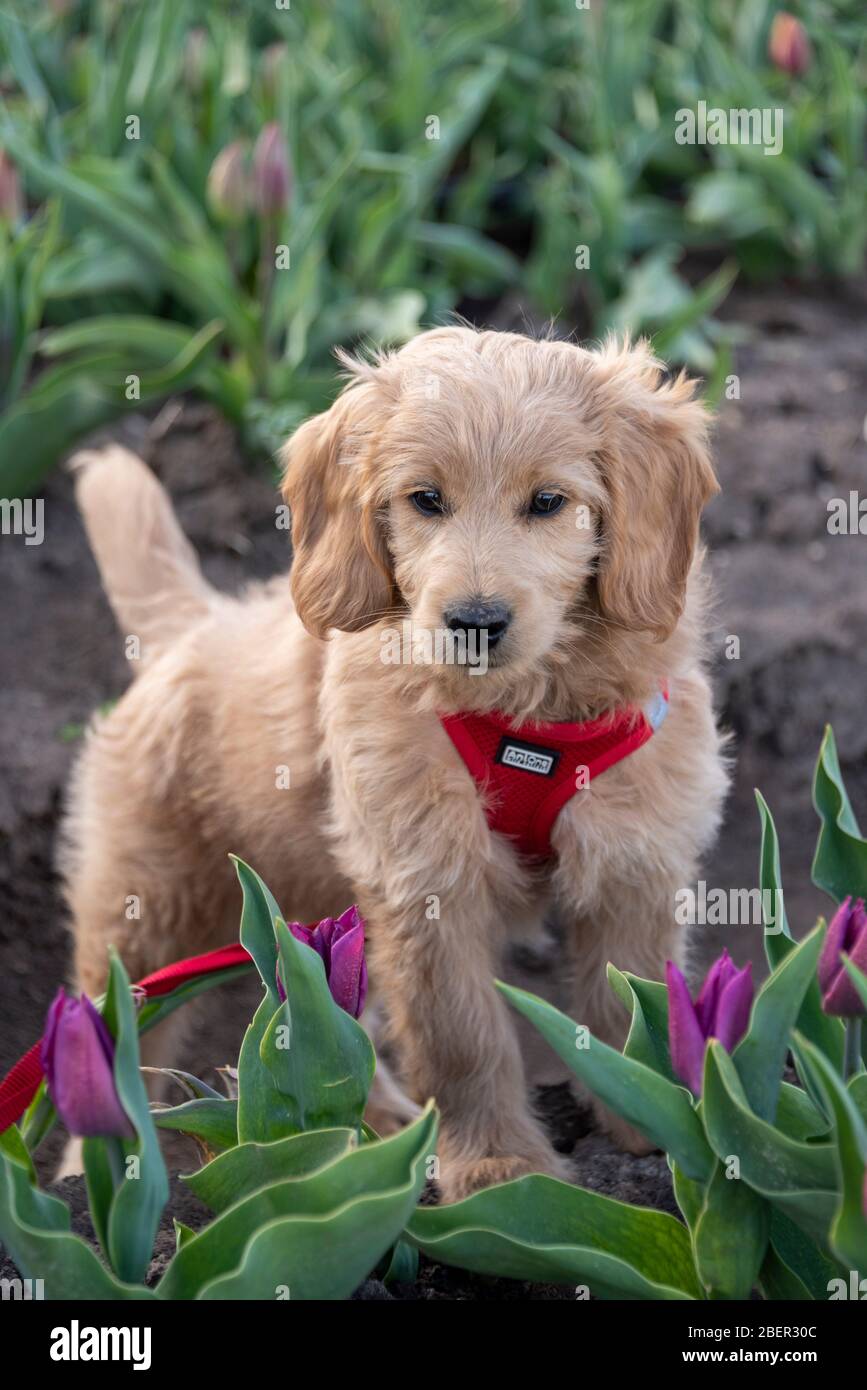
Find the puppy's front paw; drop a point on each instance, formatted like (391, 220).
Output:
(461, 1174)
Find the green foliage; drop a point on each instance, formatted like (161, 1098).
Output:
(769, 1176)
(539, 1228)
(438, 156)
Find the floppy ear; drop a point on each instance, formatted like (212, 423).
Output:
(658, 476)
(341, 573)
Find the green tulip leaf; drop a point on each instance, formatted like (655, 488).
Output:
(761, 1055)
(797, 1116)
(141, 1187)
(778, 1282)
(316, 1235)
(857, 1089)
(659, 1109)
(799, 1178)
(813, 1267)
(304, 1063)
(778, 937)
(34, 1228)
(825, 1032)
(402, 1267)
(182, 1233)
(647, 1001)
(730, 1237)
(213, 1119)
(840, 861)
(12, 1144)
(263, 1113)
(849, 1228)
(688, 1194)
(541, 1229)
(234, 1175)
(318, 1055)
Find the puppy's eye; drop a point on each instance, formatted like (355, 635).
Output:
(428, 501)
(546, 503)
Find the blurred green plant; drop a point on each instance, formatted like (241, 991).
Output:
(434, 158)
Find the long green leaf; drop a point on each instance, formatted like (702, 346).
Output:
(840, 861)
(234, 1175)
(318, 1235)
(541, 1229)
(661, 1110)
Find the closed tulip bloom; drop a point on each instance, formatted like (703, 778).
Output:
(721, 1011)
(78, 1061)
(788, 45)
(228, 190)
(847, 932)
(272, 171)
(340, 943)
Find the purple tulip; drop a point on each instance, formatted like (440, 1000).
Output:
(78, 1061)
(340, 943)
(847, 932)
(721, 1011)
(272, 171)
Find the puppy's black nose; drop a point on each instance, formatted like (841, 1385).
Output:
(479, 615)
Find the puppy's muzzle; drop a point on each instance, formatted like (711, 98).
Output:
(480, 619)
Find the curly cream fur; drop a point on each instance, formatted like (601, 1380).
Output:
(380, 809)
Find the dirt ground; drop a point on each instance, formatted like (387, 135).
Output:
(793, 595)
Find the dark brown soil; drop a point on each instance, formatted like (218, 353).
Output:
(794, 595)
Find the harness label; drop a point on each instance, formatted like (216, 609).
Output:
(512, 752)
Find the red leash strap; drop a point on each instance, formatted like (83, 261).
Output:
(20, 1085)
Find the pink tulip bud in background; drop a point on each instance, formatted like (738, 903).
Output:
(788, 45)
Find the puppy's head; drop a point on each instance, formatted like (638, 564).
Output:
(489, 483)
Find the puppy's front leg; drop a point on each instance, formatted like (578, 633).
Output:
(456, 1042)
(634, 928)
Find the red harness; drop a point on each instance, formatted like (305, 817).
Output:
(528, 773)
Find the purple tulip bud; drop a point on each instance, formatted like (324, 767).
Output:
(11, 202)
(721, 1011)
(78, 1061)
(340, 943)
(847, 932)
(272, 171)
(228, 190)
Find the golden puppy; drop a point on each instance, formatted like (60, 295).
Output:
(533, 494)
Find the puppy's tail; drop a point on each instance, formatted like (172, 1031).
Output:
(149, 569)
